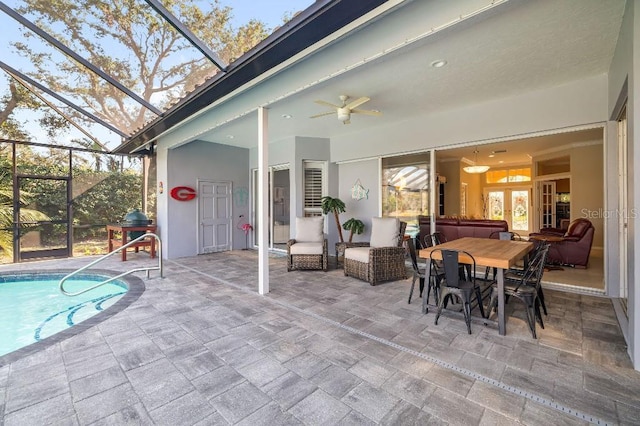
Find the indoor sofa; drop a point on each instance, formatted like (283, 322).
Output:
(452, 228)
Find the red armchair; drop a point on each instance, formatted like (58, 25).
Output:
(575, 246)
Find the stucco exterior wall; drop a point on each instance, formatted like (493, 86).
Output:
(184, 167)
(368, 172)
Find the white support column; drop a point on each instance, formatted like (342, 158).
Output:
(263, 201)
(432, 194)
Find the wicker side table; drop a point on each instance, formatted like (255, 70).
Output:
(340, 248)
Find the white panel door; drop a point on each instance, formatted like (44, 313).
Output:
(214, 199)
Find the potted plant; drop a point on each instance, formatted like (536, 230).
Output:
(336, 206)
(354, 226)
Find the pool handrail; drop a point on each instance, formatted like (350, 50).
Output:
(118, 250)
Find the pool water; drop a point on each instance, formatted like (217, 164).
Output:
(33, 308)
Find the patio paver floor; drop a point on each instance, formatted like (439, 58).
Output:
(202, 347)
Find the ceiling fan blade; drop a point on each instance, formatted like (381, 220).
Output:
(323, 114)
(357, 102)
(325, 103)
(366, 112)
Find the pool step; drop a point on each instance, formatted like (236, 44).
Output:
(73, 315)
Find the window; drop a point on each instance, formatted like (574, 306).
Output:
(520, 175)
(509, 175)
(314, 187)
(405, 188)
(497, 176)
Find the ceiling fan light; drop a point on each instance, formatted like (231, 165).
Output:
(344, 114)
(475, 169)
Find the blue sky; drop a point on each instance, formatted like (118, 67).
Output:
(268, 11)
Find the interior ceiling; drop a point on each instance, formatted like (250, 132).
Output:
(524, 46)
(521, 151)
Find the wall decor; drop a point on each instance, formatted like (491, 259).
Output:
(183, 193)
(358, 192)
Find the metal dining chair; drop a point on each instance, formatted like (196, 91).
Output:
(436, 276)
(525, 288)
(427, 241)
(438, 238)
(418, 273)
(506, 235)
(456, 285)
(517, 273)
(541, 248)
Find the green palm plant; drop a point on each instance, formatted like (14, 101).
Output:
(6, 218)
(335, 206)
(354, 226)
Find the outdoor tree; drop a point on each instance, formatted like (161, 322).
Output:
(18, 99)
(9, 102)
(128, 40)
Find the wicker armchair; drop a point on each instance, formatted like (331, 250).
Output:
(383, 258)
(309, 249)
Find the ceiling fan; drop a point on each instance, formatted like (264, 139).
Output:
(345, 110)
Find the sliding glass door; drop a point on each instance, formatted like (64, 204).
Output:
(279, 205)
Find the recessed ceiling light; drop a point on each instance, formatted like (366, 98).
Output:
(439, 63)
(491, 155)
(287, 116)
(230, 136)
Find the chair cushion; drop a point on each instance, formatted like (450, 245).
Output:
(385, 232)
(306, 248)
(578, 228)
(310, 229)
(360, 254)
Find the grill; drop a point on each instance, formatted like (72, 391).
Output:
(136, 218)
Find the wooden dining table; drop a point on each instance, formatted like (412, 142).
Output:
(499, 254)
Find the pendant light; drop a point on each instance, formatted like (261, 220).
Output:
(475, 168)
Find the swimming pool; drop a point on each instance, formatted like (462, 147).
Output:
(33, 311)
